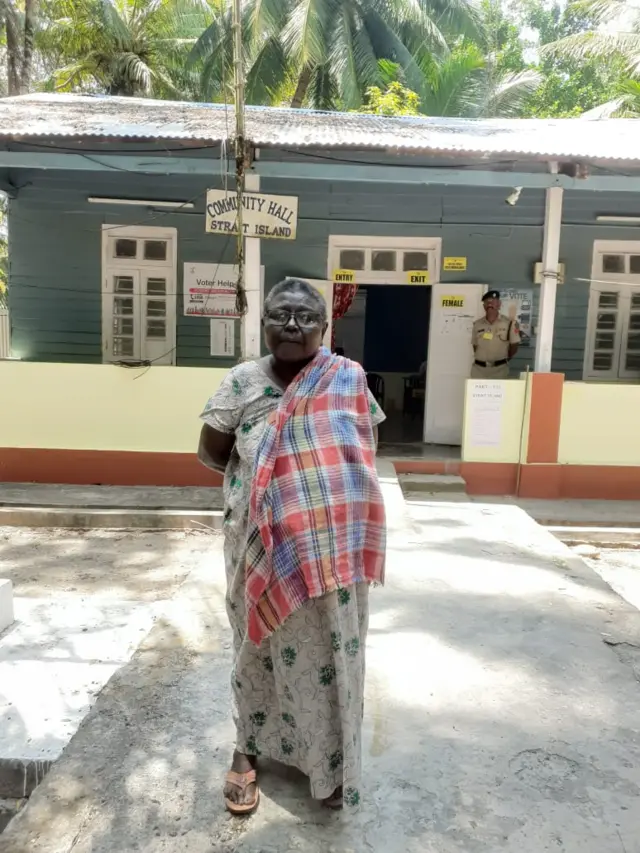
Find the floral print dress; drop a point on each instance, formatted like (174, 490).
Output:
(299, 697)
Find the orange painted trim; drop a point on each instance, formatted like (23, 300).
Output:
(552, 482)
(541, 481)
(606, 482)
(104, 468)
(490, 478)
(427, 466)
(481, 478)
(122, 468)
(545, 417)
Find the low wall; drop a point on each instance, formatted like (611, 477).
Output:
(551, 439)
(91, 423)
(498, 440)
(599, 424)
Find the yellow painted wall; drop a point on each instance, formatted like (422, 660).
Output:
(103, 407)
(514, 401)
(599, 424)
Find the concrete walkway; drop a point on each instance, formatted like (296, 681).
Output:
(501, 715)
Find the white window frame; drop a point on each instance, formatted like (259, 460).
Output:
(339, 242)
(137, 268)
(620, 282)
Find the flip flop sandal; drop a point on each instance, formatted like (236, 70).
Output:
(242, 781)
(334, 802)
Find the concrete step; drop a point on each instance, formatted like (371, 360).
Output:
(432, 484)
(623, 538)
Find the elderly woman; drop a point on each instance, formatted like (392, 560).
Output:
(295, 434)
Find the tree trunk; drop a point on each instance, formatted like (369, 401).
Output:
(14, 57)
(301, 89)
(30, 13)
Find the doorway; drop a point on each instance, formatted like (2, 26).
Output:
(386, 329)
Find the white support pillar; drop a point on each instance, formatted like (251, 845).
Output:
(251, 328)
(549, 285)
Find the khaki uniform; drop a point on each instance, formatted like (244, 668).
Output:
(491, 342)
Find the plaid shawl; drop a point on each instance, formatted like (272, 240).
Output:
(316, 516)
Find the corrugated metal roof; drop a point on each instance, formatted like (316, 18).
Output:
(74, 116)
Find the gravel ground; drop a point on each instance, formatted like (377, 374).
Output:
(84, 600)
(136, 565)
(619, 567)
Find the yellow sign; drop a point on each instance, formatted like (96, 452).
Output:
(344, 276)
(453, 301)
(417, 277)
(454, 264)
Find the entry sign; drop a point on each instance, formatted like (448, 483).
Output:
(344, 276)
(417, 277)
(273, 217)
(452, 264)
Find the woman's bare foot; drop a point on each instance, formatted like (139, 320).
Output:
(241, 764)
(335, 801)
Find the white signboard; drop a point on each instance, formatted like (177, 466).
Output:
(485, 414)
(518, 307)
(223, 338)
(272, 217)
(210, 290)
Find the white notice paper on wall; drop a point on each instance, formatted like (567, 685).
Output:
(223, 338)
(485, 414)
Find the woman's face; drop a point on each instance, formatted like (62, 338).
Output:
(293, 328)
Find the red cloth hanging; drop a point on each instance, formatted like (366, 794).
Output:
(343, 296)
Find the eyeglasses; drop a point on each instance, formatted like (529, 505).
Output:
(304, 319)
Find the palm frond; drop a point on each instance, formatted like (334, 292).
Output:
(388, 44)
(454, 84)
(343, 59)
(304, 35)
(603, 12)
(612, 109)
(457, 17)
(505, 97)
(267, 72)
(323, 91)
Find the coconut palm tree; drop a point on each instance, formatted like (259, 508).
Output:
(465, 83)
(325, 53)
(606, 30)
(614, 31)
(122, 47)
(625, 105)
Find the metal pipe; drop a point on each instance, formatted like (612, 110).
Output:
(238, 76)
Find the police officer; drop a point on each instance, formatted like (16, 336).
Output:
(495, 340)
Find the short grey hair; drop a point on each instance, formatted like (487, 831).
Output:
(297, 285)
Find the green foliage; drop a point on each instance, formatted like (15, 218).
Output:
(573, 83)
(121, 47)
(395, 100)
(468, 58)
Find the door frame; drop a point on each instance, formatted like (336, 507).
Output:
(338, 242)
(596, 283)
(432, 245)
(479, 289)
